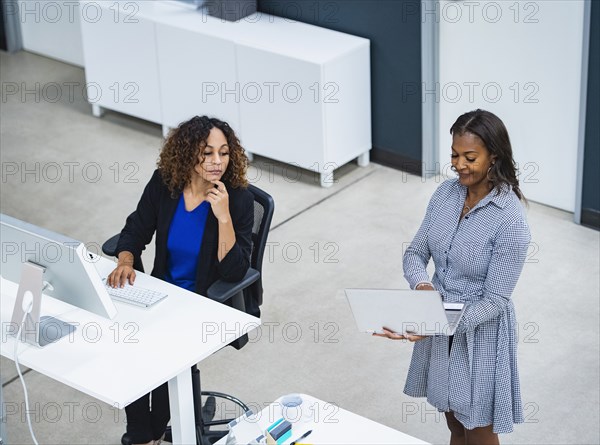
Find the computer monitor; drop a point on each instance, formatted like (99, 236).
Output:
(68, 270)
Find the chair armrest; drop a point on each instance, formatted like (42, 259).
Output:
(110, 245)
(222, 291)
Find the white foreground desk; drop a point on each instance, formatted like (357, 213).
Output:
(330, 425)
(109, 359)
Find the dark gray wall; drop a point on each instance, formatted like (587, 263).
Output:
(3, 45)
(10, 28)
(590, 202)
(394, 29)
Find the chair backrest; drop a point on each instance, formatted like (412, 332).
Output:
(264, 207)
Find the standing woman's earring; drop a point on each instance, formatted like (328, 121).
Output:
(488, 172)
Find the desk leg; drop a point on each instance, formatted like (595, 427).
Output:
(181, 400)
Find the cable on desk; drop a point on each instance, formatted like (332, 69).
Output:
(16, 355)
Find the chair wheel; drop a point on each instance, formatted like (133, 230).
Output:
(209, 409)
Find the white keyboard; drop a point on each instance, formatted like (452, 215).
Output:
(136, 295)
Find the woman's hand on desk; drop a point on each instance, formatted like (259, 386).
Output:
(395, 336)
(124, 271)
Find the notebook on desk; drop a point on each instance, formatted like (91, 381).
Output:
(420, 312)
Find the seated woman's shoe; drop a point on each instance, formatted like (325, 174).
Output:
(127, 440)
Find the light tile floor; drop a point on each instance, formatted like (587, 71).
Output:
(79, 175)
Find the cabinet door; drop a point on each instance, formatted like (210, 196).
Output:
(120, 62)
(346, 98)
(197, 71)
(527, 72)
(281, 116)
(51, 29)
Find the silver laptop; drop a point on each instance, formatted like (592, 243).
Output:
(420, 312)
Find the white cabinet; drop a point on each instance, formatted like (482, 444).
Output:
(279, 118)
(313, 105)
(294, 92)
(193, 66)
(50, 28)
(121, 67)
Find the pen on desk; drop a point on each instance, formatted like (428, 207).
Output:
(304, 436)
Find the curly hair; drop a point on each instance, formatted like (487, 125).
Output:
(179, 154)
(491, 130)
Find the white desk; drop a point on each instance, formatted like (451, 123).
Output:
(106, 358)
(330, 425)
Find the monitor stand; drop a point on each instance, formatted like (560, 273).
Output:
(36, 330)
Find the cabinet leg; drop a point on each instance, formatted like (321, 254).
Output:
(363, 159)
(97, 110)
(165, 130)
(250, 156)
(326, 179)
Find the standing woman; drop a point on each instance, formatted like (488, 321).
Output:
(197, 204)
(476, 231)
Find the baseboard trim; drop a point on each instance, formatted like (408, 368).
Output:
(397, 161)
(590, 218)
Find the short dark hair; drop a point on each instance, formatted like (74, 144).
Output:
(491, 130)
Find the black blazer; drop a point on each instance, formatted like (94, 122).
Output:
(154, 214)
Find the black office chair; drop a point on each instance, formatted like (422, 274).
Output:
(245, 295)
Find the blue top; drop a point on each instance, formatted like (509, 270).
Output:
(478, 260)
(183, 244)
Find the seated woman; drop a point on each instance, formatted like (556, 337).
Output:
(197, 204)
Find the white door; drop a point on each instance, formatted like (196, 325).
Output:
(522, 61)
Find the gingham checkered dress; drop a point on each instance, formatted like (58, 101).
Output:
(477, 260)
